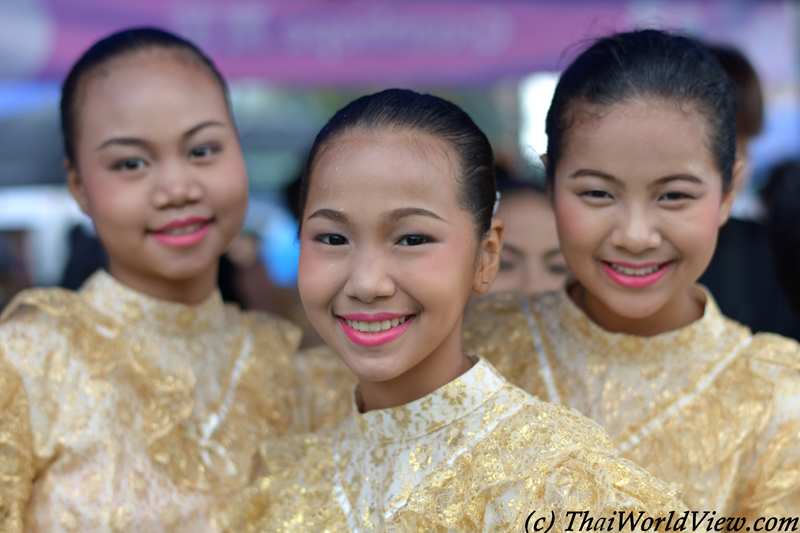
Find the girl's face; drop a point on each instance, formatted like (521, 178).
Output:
(531, 260)
(638, 202)
(160, 171)
(388, 260)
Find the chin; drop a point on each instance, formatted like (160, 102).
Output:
(635, 307)
(375, 369)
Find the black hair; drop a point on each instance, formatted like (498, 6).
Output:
(784, 229)
(745, 86)
(398, 110)
(119, 44)
(508, 184)
(640, 65)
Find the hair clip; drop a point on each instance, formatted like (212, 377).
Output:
(496, 203)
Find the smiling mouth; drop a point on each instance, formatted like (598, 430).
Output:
(378, 326)
(638, 272)
(184, 230)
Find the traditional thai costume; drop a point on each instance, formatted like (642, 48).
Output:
(478, 454)
(710, 408)
(145, 414)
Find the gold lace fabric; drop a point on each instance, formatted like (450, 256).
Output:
(476, 455)
(16, 461)
(144, 414)
(709, 407)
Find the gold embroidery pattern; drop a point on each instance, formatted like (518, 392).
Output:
(145, 414)
(708, 408)
(476, 455)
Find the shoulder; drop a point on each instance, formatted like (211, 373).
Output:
(775, 350)
(40, 323)
(540, 424)
(324, 392)
(268, 330)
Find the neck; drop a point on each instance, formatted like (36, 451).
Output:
(675, 314)
(442, 366)
(190, 291)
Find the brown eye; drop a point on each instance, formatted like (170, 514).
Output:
(332, 239)
(202, 152)
(413, 240)
(131, 164)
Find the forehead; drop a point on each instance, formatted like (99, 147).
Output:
(368, 172)
(643, 139)
(149, 91)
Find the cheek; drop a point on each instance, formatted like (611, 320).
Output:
(444, 271)
(115, 203)
(578, 226)
(695, 233)
(229, 194)
(317, 278)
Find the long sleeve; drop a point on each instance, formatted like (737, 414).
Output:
(16, 468)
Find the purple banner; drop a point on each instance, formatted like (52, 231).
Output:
(319, 42)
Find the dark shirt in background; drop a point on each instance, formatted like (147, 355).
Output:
(742, 279)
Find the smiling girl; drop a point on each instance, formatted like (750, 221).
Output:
(396, 233)
(641, 165)
(147, 395)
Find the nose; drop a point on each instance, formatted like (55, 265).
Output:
(636, 230)
(176, 186)
(369, 279)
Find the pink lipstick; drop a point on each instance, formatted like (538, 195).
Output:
(635, 281)
(198, 228)
(350, 326)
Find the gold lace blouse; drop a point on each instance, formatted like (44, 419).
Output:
(475, 455)
(709, 407)
(144, 414)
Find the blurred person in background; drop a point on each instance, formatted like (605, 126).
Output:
(148, 396)
(531, 259)
(783, 201)
(740, 275)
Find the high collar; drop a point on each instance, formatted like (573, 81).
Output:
(128, 306)
(702, 332)
(434, 411)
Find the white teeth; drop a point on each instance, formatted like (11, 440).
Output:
(185, 230)
(375, 327)
(635, 271)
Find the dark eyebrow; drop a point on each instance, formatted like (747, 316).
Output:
(678, 177)
(329, 214)
(589, 172)
(135, 141)
(404, 212)
(552, 253)
(512, 249)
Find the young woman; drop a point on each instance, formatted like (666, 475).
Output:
(147, 395)
(640, 163)
(396, 233)
(531, 260)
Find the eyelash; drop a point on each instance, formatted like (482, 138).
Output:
(120, 165)
(597, 194)
(681, 196)
(328, 239)
(325, 239)
(407, 237)
(211, 150)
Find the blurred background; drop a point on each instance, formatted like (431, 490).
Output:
(292, 63)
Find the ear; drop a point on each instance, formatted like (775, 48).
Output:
(76, 187)
(728, 197)
(490, 258)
